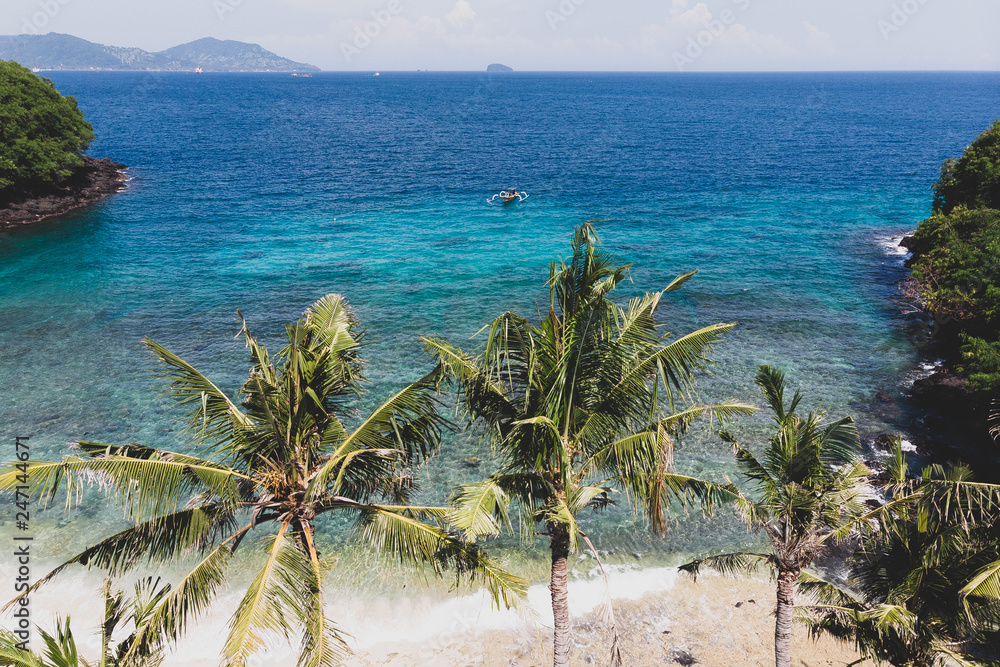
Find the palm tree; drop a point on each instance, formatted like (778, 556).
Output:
(808, 484)
(921, 587)
(278, 461)
(119, 610)
(573, 409)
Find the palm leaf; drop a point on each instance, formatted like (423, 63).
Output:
(407, 422)
(162, 539)
(406, 540)
(11, 655)
(730, 564)
(986, 583)
(481, 509)
(262, 611)
(322, 645)
(168, 619)
(214, 416)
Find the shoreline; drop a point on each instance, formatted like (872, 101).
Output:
(94, 180)
(663, 618)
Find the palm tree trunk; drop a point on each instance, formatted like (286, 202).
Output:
(559, 587)
(783, 617)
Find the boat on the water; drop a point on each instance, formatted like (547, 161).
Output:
(302, 76)
(508, 196)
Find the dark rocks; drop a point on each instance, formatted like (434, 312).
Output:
(944, 391)
(91, 182)
(885, 441)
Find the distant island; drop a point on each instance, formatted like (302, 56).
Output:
(55, 51)
(497, 67)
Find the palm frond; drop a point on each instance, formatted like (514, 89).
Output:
(481, 509)
(146, 482)
(167, 620)
(322, 644)
(12, 656)
(823, 591)
(986, 583)
(264, 610)
(676, 363)
(407, 422)
(407, 541)
(730, 564)
(213, 416)
(162, 539)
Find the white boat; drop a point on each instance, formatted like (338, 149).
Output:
(197, 70)
(508, 196)
(377, 74)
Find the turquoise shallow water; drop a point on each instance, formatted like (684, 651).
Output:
(264, 192)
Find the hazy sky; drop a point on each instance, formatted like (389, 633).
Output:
(550, 34)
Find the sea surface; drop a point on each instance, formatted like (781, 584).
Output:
(263, 192)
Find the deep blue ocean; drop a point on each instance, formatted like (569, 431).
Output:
(264, 192)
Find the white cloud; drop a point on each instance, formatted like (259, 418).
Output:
(820, 40)
(462, 15)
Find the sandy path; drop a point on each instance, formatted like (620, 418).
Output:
(718, 622)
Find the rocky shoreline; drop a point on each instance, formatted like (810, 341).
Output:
(944, 423)
(92, 181)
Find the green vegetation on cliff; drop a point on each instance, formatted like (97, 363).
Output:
(956, 261)
(973, 180)
(42, 133)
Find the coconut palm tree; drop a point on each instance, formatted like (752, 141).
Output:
(276, 462)
(921, 585)
(573, 407)
(119, 610)
(808, 485)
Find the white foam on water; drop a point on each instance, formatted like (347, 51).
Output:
(923, 370)
(890, 245)
(907, 446)
(370, 621)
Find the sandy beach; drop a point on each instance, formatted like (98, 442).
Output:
(717, 622)
(664, 618)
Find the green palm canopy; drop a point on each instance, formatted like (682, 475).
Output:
(581, 404)
(284, 455)
(809, 488)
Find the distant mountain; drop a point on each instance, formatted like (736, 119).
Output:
(497, 67)
(55, 51)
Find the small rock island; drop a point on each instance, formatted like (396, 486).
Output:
(497, 67)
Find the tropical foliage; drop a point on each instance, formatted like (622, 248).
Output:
(272, 464)
(973, 180)
(956, 262)
(809, 487)
(923, 584)
(42, 133)
(120, 611)
(585, 403)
